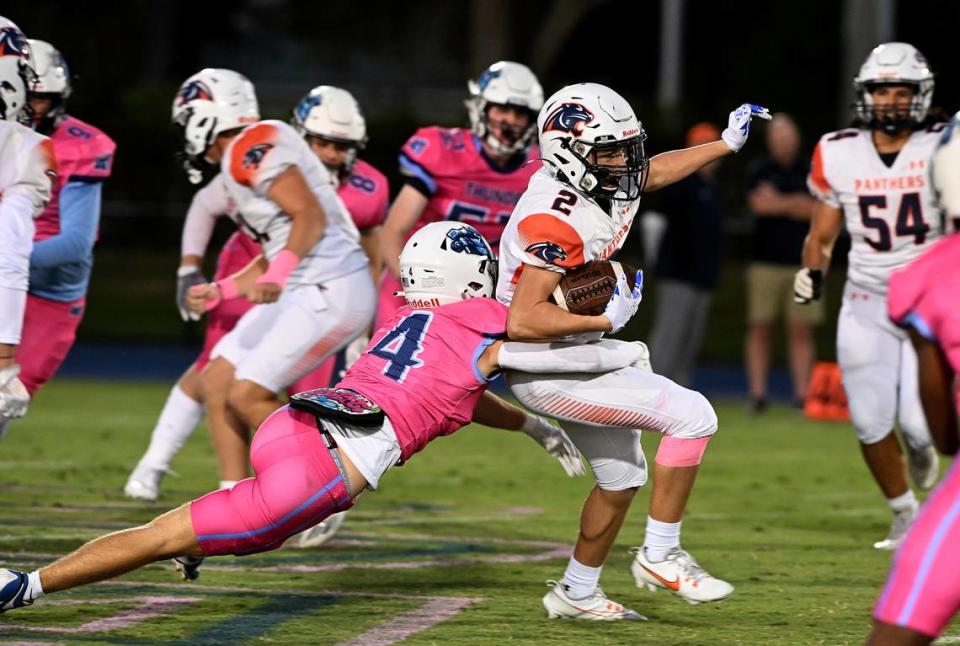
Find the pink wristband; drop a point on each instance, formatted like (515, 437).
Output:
(228, 288)
(279, 270)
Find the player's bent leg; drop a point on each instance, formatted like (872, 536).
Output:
(251, 402)
(298, 484)
(229, 433)
(922, 591)
(49, 330)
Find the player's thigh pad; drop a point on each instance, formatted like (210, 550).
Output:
(868, 352)
(297, 484)
(614, 454)
(922, 592)
(629, 398)
(307, 325)
(910, 416)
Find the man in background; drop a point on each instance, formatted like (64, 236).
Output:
(778, 198)
(688, 265)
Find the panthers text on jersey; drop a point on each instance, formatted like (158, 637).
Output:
(251, 162)
(557, 228)
(891, 212)
(463, 184)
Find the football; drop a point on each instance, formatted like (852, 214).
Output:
(587, 289)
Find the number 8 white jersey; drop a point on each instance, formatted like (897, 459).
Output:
(891, 213)
(556, 228)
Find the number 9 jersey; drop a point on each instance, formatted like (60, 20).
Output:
(890, 211)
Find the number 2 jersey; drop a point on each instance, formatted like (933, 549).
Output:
(890, 212)
(556, 228)
(421, 368)
(251, 163)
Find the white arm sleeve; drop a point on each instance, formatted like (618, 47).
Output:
(208, 204)
(605, 355)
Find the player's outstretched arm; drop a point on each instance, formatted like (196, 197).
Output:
(670, 167)
(404, 213)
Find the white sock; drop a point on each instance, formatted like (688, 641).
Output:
(227, 484)
(580, 580)
(660, 539)
(180, 416)
(34, 589)
(903, 502)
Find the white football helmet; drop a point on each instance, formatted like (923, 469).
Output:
(945, 173)
(446, 262)
(894, 64)
(509, 84)
(581, 121)
(333, 114)
(53, 79)
(16, 72)
(208, 103)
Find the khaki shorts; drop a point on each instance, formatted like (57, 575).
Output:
(770, 291)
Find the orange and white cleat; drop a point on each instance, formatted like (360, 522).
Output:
(680, 574)
(596, 607)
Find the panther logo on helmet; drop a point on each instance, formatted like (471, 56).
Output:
(488, 75)
(194, 91)
(468, 240)
(306, 104)
(255, 155)
(569, 117)
(547, 251)
(13, 43)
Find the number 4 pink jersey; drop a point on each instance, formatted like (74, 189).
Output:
(421, 368)
(890, 212)
(924, 294)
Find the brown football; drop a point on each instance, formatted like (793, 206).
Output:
(587, 289)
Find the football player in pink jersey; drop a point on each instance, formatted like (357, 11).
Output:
(331, 121)
(473, 175)
(62, 256)
(27, 169)
(922, 592)
(579, 207)
(421, 378)
(872, 180)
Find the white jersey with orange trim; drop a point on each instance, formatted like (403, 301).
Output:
(557, 228)
(891, 212)
(28, 166)
(250, 164)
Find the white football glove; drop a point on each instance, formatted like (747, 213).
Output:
(807, 285)
(556, 442)
(738, 125)
(354, 349)
(14, 397)
(624, 302)
(187, 277)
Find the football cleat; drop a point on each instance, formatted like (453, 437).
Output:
(898, 529)
(596, 607)
(13, 587)
(680, 574)
(924, 465)
(144, 483)
(188, 567)
(322, 531)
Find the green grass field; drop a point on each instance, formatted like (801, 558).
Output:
(454, 548)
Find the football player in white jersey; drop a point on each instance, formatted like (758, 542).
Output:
(27, 168)
(311, 285)
(873, 178)
(579, 207)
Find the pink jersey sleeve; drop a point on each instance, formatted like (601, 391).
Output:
(424, 156)
(84, 152)
(258, 155)
(366, 195)
(923, 296)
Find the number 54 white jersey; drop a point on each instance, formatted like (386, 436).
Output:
(890, 212)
